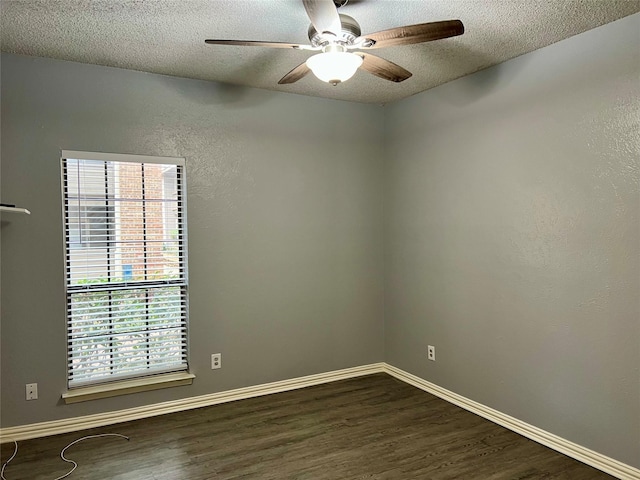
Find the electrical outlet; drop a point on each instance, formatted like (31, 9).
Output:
(32, 391)
(431, 353)
(216, 361)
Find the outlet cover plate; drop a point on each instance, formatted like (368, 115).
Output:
(431, 353)
(32, 391)
(216, 361)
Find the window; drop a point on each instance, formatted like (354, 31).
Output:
(126, 266)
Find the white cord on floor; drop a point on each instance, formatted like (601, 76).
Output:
(75, 465)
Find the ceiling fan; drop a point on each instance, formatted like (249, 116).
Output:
(335, 35)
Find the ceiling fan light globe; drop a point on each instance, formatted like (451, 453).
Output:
(334, 67)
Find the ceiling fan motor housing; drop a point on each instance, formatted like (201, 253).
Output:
(350, 31)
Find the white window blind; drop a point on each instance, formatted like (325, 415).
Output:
(126, 266)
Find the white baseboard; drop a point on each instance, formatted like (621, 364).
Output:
(582, 454)
(55, 427)
(573, 450)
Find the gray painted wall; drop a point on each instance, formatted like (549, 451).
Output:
(284, 216)
(512, 217)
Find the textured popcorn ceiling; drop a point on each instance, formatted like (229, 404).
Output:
(167, 37)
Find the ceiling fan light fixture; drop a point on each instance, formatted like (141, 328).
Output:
(334, 67)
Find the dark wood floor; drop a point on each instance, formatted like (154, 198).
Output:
(372, 427)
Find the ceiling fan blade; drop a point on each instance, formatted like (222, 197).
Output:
(383, 68)
(251, 43)
(295, 74)
(422, 32)
(323, 15)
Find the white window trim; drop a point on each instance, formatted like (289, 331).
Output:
(125, 387)
(121, 157)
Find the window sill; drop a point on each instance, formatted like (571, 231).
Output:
(126, 387)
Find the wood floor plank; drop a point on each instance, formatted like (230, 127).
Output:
(372, 427)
